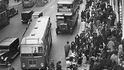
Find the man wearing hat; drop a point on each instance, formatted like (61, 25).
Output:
(67, 49)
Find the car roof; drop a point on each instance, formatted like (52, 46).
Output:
(7, 41)
(26, 11)
(37, 13)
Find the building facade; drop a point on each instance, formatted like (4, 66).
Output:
(119, 10)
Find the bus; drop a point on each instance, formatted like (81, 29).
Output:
(35, 48)
(9, 49)
(28, 3)
(67, 15)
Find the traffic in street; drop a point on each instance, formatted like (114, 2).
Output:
(50, 9)
(61, 35)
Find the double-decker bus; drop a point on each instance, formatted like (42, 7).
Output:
(28, 3)
(67, 15)
(35, 48)
(4, 20)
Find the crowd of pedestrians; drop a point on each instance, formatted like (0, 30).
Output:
(100, 44)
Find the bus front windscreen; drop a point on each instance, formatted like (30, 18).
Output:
(35, 50)
(64, 7)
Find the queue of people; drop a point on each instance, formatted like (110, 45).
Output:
(100, 44)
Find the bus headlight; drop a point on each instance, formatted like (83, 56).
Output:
(42, 65)
(23, 65)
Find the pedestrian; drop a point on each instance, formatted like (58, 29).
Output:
(83, 15)
(77, 40)
(58, 65)
(111, 45)
(120, 50)
(75, 67)
(10, 67)
(67, 49)
(80, 61)
(114, 57)
(52, 66)
(73, 46)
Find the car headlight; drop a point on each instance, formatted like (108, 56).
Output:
(23, 64)
(69, 9)
(2, 57)
(5, 59)
(42, 65)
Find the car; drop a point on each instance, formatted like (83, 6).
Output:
(9, 50)
(12, 12)
(26, 16)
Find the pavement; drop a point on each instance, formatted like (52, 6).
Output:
(82, 28)
(14, 3)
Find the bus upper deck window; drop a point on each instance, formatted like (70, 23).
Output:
(70, 6)
(40, 49)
